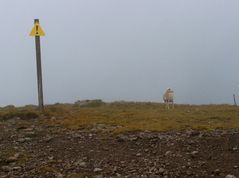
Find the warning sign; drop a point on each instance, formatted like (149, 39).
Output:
(37, 30)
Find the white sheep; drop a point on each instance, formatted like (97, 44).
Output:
(168, 98)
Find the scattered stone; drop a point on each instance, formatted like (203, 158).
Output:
(21, 140)
(82, 164)
(230, 176)
(133, 138)
(53, 118)
(194, 154)
(122, 138)
(161, 170)
(50, 157)
(217, 171)
(115, 169)
(234, 148)
(192, 133)
(6, 168)
(30, 134)
(16, 168)
(27, 139)
(132, 154)
(58, 175)
(48, 139)
(98, 170)
(168, 153)
(118, 175)
(189, 173)
(138, 154)
(13, 158)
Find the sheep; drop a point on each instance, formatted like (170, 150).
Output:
(168, 98)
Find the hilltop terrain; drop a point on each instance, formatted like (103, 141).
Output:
(119, 139)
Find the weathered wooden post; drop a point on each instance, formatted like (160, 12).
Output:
(37, 32)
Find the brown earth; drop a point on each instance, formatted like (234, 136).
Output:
(30, 148)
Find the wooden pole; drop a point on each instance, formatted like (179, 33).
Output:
(39, 70)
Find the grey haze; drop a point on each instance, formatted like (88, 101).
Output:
(121, 50)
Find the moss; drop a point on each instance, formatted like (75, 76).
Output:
(130, 116)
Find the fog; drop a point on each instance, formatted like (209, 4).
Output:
(121, 50)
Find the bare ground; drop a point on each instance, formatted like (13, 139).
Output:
(30, 148)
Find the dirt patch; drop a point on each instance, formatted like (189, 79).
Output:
(32, 149)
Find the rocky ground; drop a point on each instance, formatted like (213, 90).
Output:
(30, 148)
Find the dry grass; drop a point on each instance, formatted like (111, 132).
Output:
(131, 116)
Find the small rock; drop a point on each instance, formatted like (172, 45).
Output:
(50, 157)
(152, 169)
(188, 172)
(234, 148)
(217, 171)
(31, 134)
(6, 168)
(122, 138)
(115, 169)
(82, 164)
(166, 172)
(168, 153)
(27, 139)
(118, 175)
(235, 167)
(53, 118)
(21, 140)
(192, 133)
(48, 139)
(133, 138)
(167, 164)
(201, 135)
(98, 170)
(16, 168)
(58, 175)
(194, 154)
(77, 136)
(13, 158)
(230, 176)
(138, 154)
(161, 170)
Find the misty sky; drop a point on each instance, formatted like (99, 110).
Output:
(121, 50)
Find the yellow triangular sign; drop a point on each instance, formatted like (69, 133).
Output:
(37, 30)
